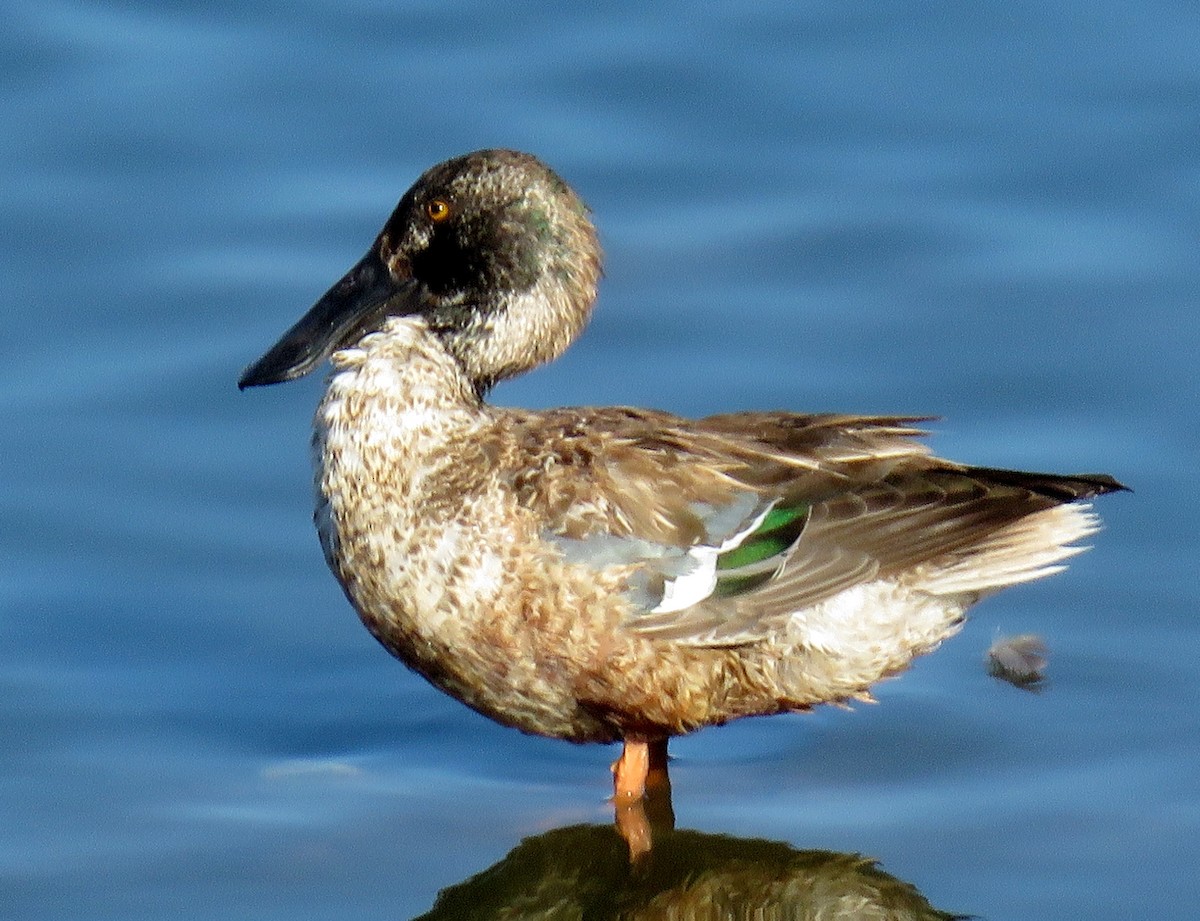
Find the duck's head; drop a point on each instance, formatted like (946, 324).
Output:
(492, 250)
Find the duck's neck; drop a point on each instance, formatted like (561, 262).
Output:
(395, 406)
(398, 376)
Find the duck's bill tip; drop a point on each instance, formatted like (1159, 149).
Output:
(250, 378)
(247, 380)
(283, 363)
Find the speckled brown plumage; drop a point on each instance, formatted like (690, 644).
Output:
(607, 574)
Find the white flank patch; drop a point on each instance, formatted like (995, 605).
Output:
(872, 623)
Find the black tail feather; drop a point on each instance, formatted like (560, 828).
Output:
(1061, 487)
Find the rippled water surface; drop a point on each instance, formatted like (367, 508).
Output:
(987, 213)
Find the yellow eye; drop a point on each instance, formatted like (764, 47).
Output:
(438, 209)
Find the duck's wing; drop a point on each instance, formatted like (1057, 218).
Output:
(732, 523)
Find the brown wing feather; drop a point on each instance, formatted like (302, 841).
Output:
(880, 503)
(595, 471)
(636, 472)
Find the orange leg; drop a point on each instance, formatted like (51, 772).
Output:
(642, 793)
(630, 771)
(642, 762)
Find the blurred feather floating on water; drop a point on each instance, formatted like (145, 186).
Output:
(1019, 660)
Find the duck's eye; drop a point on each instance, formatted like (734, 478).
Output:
(438, 209)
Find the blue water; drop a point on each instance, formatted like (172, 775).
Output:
(990, 213)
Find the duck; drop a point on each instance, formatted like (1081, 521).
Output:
(615, 574)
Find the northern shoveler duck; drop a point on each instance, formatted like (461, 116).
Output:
(618, 574)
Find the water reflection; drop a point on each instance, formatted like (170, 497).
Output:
(585, 871)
